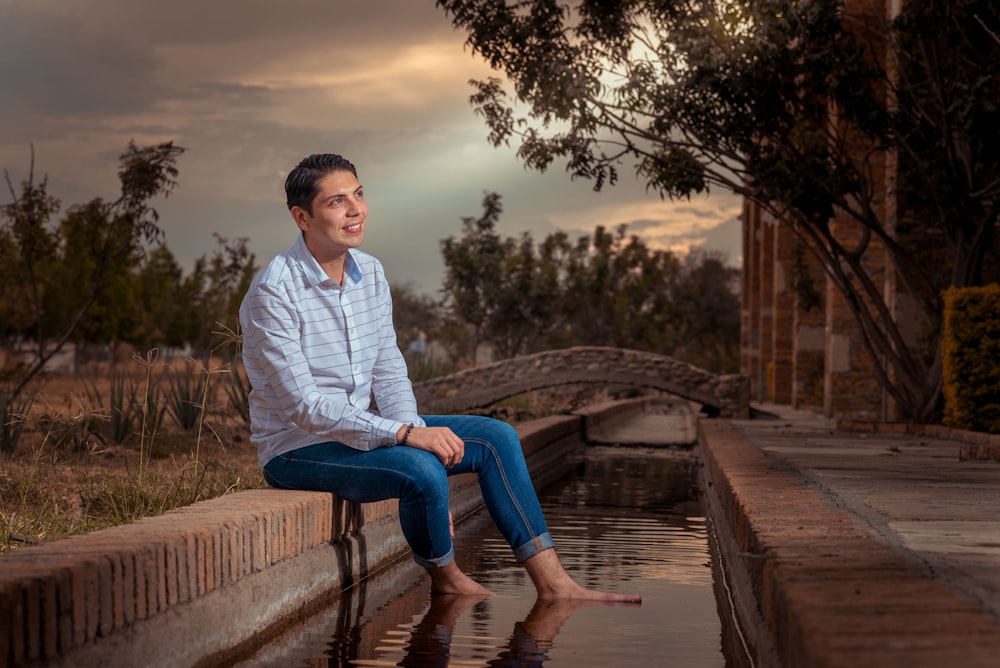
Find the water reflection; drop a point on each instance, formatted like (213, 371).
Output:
(626, 520)
(430, 644)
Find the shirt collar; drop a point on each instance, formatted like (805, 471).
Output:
(314, 274)
(351, 269)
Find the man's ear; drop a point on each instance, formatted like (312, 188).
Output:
(301, 217)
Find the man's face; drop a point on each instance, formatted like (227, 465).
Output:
(337, 221)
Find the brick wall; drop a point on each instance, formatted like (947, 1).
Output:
(200, 580)
(801, 355)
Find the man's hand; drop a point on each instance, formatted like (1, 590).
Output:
(439, 441)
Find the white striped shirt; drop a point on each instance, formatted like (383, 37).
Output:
(315, 353)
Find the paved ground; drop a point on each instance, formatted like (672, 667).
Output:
(912, 491)
(877, 549)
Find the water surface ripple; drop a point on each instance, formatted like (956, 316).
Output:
(627, 519)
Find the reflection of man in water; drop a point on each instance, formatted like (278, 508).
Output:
(527, 646)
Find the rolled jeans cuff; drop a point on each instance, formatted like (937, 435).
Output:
(534, 546)
(435, 562)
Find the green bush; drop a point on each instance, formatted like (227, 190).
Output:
(971, 358)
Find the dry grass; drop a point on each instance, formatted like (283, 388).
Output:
(70, 474)
(68, 477)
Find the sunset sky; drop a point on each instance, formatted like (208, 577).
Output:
(249, 87)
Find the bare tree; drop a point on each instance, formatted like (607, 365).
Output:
(112, 232)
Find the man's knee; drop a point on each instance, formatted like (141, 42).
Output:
(497, 431)
(426, 474)
(505, 436)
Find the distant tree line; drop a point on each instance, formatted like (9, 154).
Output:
(100, 276)
(513, 296)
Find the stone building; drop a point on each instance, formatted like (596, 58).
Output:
(801, 345)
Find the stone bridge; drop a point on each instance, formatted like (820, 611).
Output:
(482, 386)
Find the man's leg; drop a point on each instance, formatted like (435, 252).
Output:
(413, 476)
(493, 450)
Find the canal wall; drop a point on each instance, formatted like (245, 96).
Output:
(851, 549)
(733, 475)
(183, 588)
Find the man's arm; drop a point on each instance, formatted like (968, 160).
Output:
(391, 383)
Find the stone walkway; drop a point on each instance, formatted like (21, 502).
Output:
(860, 549)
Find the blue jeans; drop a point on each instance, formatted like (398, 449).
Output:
(420, 482)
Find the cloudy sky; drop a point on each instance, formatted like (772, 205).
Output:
(249, 87)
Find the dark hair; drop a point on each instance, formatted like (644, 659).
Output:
(300, 185)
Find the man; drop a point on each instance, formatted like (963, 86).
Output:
(319, 343)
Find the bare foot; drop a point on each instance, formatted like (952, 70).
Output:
(450, 579)
(577, 593)
(552, 581)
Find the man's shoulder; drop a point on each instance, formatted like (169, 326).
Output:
(284, 276)
(278, 271)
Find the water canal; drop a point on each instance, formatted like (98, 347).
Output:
(626, 519)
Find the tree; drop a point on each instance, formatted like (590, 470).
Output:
(164, 309)
(502, 290)
(83, 275)
(707, 299)
(797, 106)
(608, 289)
(474, 272)
(215, 289)
(30, 248)
(15, 295)
(621, 293)
(99, 238)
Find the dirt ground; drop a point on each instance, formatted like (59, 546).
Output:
(66, 476)
(51, 489)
